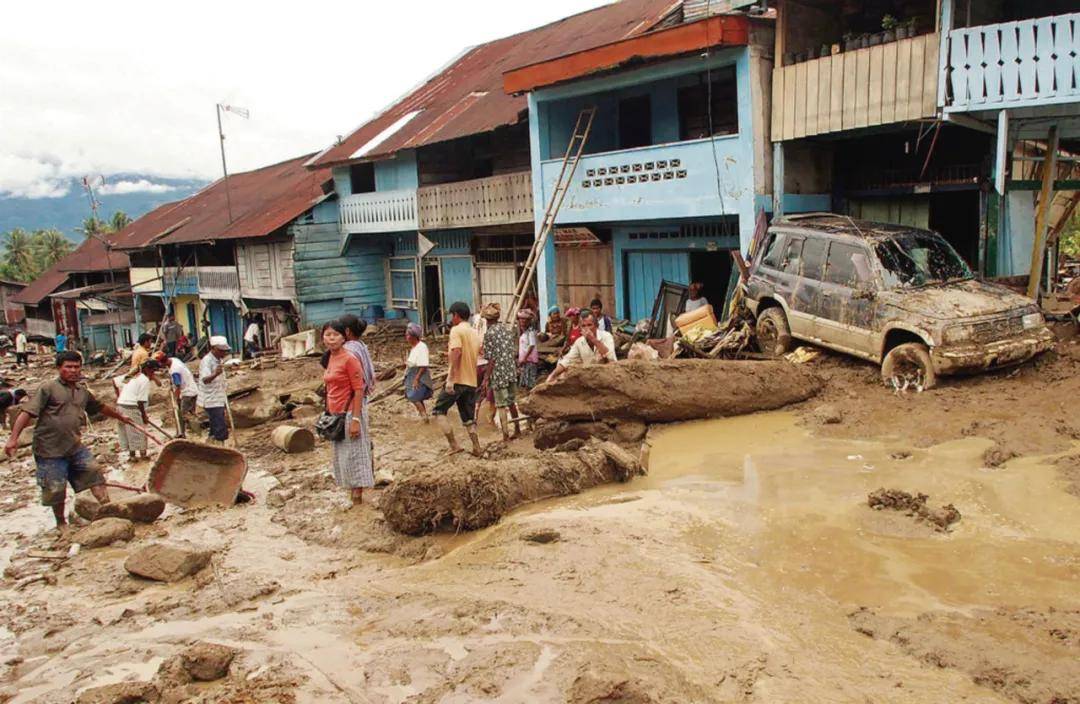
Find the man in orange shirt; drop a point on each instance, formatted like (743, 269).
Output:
(464, 350)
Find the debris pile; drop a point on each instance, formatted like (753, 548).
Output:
(914, 505)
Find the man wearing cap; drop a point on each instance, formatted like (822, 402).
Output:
(212, 387)
(58, 408)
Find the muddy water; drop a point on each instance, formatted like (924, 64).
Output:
(795, 506)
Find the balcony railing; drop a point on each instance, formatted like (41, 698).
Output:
(497, 200)
(168, 281)
(879, 85)
(679, 179)
(385, 211)
(219, 282)
(1014, 64)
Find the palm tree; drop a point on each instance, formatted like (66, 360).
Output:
(51, 247)
(120, 220)
(93, 225)
(19, 254)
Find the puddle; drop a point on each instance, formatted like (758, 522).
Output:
(796, 505)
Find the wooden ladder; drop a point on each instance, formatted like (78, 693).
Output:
(574, 149)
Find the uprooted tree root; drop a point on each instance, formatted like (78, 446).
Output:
(473, 494)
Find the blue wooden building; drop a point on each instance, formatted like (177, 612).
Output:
(675, 167)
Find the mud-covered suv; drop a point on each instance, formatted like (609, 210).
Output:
(895, 295)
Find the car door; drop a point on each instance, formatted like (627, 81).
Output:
(764, 276)
(848, 299)
(806, 296)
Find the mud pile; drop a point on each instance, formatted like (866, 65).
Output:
(671, 390)
(477, 493)
(914, 505)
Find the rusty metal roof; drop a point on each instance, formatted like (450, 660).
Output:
(468, 98)
(41, 287)
(92, 255)
(722, 30)
(263, 201)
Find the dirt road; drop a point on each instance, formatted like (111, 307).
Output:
(746, 567)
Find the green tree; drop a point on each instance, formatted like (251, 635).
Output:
(119, 220)
(18, 256)
(93, 225)
(50, 246)
(1070, 237)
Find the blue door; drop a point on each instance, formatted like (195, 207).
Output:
(645, 271)
(457, 281)
(225, 320)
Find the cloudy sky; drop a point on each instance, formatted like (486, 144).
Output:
(130, 86)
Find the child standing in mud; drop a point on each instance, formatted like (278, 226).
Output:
(58, 409)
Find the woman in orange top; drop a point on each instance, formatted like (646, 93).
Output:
(344, 379)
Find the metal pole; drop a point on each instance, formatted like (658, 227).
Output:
(224, 168)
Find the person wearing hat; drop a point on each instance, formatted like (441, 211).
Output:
(132, 402)
(555, 328)
(212, 387)
(528, 356)
(500, 349)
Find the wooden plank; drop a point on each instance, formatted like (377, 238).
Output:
(848, 90)
(888, 83)
(812, 68)
(789, 96)
(862, 88)
(800, 100)
(874, 87)
(824, 104)
(915, 78)
(930, 77)
(836, 94)
(778, 104)
(902, 102)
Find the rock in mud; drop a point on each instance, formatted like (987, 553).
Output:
(167, 562)
(551, 434)
(141, 508)
(257, 408)
(997, 456)
(828, 414)
(121, 693)
(206, 662)
(103, 532)
(470, 494)
(86, 506)
(671, 390)
(542, 536)
(914, 505)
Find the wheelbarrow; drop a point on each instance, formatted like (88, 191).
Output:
(192, 474)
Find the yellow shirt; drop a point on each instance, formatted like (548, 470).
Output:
(464, 338)
(140, 355)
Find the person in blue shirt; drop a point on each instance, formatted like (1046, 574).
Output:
(61, 342)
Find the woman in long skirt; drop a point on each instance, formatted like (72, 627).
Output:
(344, 379)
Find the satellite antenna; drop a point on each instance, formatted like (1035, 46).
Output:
(240, 112)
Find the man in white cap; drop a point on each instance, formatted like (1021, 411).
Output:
(212, 388)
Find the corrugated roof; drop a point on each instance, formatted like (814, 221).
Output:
(263, 201)
(468, 98)
(92, 255)
(724, 30)
(41, 287)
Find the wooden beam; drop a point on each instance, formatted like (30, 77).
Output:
(1038, 248)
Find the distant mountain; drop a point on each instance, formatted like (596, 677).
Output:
(135, 194)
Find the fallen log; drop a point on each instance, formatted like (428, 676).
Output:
(471, 494)
(670, 390)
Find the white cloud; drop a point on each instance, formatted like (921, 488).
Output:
(141, 185)
(130, 87)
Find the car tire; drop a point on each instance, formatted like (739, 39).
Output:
(773, 332)
(909, 364)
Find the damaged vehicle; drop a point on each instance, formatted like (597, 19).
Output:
(898, 296)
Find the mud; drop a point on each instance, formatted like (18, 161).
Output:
(1029, 656)
(1069, 472)
(471, 494)
(671, 390)
(915, 506)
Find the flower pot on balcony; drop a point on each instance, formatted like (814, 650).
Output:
(875, 39)
(902, 32)
(851, 44)
(825, 51)
(889, 35)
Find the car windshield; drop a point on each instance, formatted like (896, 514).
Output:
(919, 259)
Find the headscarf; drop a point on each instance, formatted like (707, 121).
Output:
(553, 310)
(573, 312)
(525, 314)
(415, 330)
(491, 311)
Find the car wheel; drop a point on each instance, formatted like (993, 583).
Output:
(908, 366)
(773, 333)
